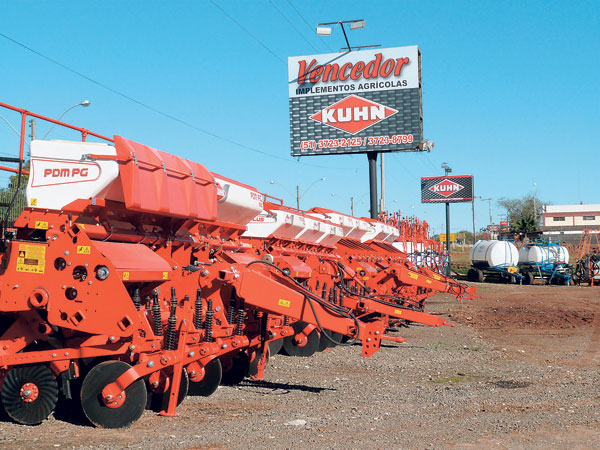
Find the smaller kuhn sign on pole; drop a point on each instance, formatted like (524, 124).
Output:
(448, 189)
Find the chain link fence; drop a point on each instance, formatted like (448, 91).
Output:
(19, 204)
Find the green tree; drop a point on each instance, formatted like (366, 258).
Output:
(526, 211)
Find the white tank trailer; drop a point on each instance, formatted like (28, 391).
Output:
(494, 259)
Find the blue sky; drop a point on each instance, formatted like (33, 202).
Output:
(510, 90)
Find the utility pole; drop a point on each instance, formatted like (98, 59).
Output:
(473, 205)
(534, 206)
(32, 122)
(372, 156)
(352, 206)
(298, 196)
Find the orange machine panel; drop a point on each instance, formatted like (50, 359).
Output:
(157, 182)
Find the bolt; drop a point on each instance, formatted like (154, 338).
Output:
(69, 263)
(191, 354)
(54, 355)
(150, 364)
(204, 273)
(63, 286)
(115, 403)
(120, 396)
(132, 347)
(368, 339)
(174, 267)
(90, 282)
(155, 383)
(26, 392)
(85, 264)
(109, 397)
(112, 338)
(66, 353)
(224, 346)
(218, 308)
(376, 333)
(16, 286)
(66, 252)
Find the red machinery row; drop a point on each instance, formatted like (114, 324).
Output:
(134, 277)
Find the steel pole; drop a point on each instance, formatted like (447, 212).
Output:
(448, 237)
(352, 206)
(298, 196)
(473, 202)
(372, 156)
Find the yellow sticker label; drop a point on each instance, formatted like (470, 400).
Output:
(31, 258)
(81, 225)
(398, 312)
(126, 275)
(436, 277)
(41, 225)
(285, 303)
(165, 275)
(413, 275)
(34, 202)
(84, 249)
(428, 281)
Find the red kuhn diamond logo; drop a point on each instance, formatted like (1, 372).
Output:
(446, 188)
(353, 114)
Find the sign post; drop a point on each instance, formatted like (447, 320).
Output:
(447, 189)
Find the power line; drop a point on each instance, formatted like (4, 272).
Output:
(248, 32)
(311, 27)
(153, 109)
(292, 25)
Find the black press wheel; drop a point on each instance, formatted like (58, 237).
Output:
(235, 369)
(93, 405)
(159, 401)
(207, 386)
(29, 394)
(291, 348)
(325, 341)
(275, 346)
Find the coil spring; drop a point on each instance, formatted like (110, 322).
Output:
(156, 316)
(239, 324)
(231, 311)
(286, 320)
(137, 301)
(198, 310)
(208, 323)
(171, 323)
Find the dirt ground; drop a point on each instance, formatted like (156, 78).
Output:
(519, 370)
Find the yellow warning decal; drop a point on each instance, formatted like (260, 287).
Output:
(165, 275)
(82, 226)
(126, 275)
(84, 249)
(31, 258)
(34, 202)
(428, 281)
(285, 303)
(436, 277)
(41, 225)
(413, 275)
(398, 312)
(513, 269)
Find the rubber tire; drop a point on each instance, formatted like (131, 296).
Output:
(291, 349)
(480, 276)
(528, 278)
(472, 275)
(91, 396)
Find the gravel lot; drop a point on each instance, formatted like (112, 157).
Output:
(520, 370)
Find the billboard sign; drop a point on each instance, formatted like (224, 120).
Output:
(356, 102)
(450, 189)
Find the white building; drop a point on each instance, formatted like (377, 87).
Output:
(565, 223)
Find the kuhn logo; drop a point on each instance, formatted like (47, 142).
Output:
(47, 172)
(446, 188)
(353, 114)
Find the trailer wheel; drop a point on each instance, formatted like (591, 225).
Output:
(472, 275)
(29, 394)
(480, 276)
(528, 278)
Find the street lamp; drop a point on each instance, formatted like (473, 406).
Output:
(323, 29)
(490, 200)
(84, 103)
(298, 196)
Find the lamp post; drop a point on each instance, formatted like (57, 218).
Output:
(298, 196)
(84, 103)
(490, 200)
(447, 170)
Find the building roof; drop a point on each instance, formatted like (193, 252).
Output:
(572, 208)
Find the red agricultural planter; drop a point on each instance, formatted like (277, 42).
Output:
(133, 277)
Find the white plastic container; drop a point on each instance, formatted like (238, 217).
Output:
(540, 254)
(493, 254)
(236, 202)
